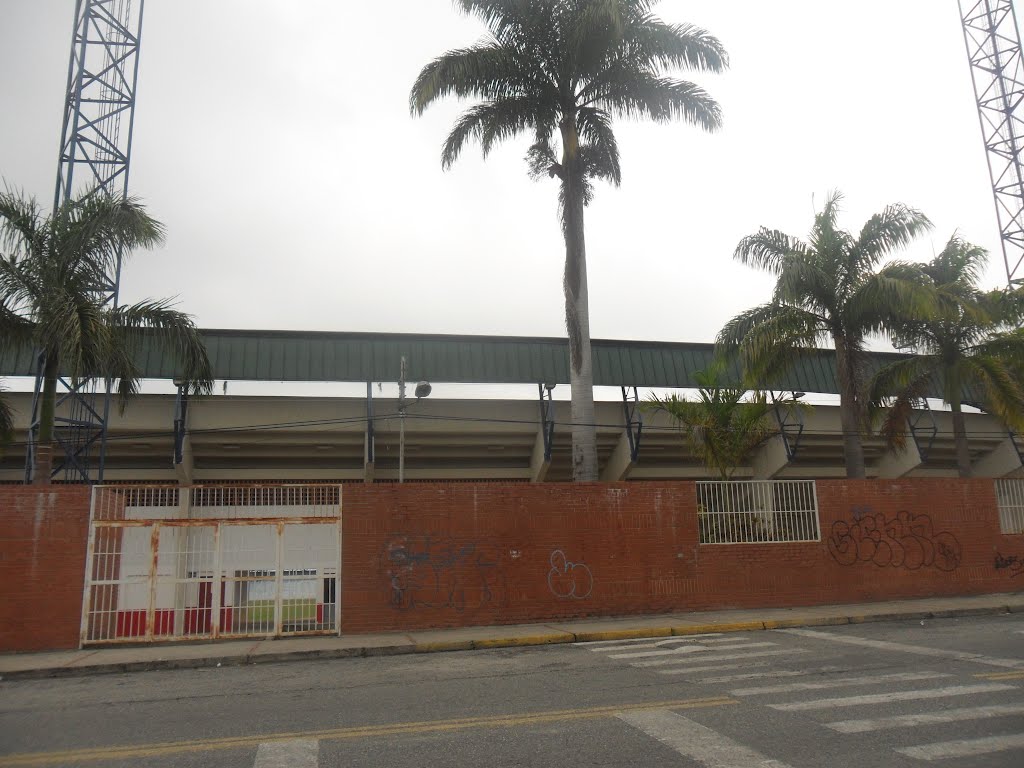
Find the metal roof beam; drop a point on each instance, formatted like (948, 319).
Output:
(359, 357)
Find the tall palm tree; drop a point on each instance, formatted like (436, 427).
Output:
(562, 70)
(973, 342)
(51, 270)
(827, 291)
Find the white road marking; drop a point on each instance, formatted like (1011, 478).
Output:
(709, 668)
(696, 741)
(590, 643)
(927, 718)
(885, 698)
(920, 650)
(666, 642)
(295, 753)
(688, 649)
(770, 673)
(717, 657)
(944, 750)
(842, 682)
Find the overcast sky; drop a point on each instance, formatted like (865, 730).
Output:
(274, 140)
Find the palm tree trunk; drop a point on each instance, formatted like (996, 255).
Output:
(577, 315)
(963, 454)
(47, 412)
(849, 413)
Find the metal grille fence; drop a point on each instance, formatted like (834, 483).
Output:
(167, 563)
(757, 511)
(1010, 499)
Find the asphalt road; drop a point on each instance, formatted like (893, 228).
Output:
(945, 692)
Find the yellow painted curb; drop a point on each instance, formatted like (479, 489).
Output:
(622, 634)
(442, 646)
(701, 629)
(517, 642)
(820, 621)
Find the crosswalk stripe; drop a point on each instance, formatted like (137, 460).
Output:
(696, 741)
(294, 753)
(1003, 675)
(920, 650)
(770, 673)
(884, 698)
(943, 750)
(717, 657)
(589, 643)
(927, 718)
(664, 643)
(688, 649)
(709, 668)
(899, 677)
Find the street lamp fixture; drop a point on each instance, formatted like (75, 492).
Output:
(422, 390)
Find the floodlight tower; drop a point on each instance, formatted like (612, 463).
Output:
(997, 69)
(95, 153)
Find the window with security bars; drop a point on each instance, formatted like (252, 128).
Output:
(760, 512)
(1010, 500)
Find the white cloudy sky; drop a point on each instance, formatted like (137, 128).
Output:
(274, 140)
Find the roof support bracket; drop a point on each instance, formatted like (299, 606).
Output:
(791, 424)
(923, 427)
(369, 461)
(634, 420)
(182, 459)
(547, 418)
(180, 428)
(540, 462)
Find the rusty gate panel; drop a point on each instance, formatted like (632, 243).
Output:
(208, 562)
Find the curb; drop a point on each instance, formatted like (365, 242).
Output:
(521, 641)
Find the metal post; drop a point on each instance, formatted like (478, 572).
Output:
(278, 601)
(90, 549)
(401, 422)
(215, 584)
(154, 551)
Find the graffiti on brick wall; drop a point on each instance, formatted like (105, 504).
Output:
(439, 573)
(569, 580)
(906, 541)
(1012, 564)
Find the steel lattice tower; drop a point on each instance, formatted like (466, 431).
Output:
(997, 69)
(95, 153)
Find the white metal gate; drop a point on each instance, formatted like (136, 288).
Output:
(207, 562)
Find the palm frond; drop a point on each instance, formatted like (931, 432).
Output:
(488, 71)
(896, 294)
(681, 46)
(771, 338)
(488, 123)
(170, 329)
(958, 264)
(769, 250)
(1001, 386)
(640, 94)
(21, 223)
(895, 227)
(600, 155)
(898, 387)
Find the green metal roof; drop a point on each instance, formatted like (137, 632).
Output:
(318, 356)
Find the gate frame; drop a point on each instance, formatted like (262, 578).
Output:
(217, 580)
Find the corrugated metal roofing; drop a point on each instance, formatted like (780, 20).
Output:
(318, 356)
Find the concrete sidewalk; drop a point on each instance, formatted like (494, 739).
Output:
(255, 651)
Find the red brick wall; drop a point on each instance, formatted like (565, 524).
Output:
(42, 565)
(436, 555)
(433, 555)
